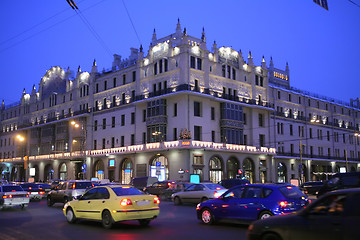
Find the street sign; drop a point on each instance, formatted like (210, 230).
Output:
(158, 164)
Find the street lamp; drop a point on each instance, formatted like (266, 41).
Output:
(24, 157)
(82, 144)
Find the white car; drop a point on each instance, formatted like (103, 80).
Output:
(197, 193)
(13, 195)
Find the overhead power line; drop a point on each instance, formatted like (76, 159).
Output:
(131, 22)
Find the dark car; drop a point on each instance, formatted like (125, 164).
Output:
(334, 216)
(311, 188)
(247, 203)
(229, 183)
(44, 187)
(341, 181)
(143, 182)
(67, 191)
(174, 187)
(34, 191)
(157, 188)
(54, 183)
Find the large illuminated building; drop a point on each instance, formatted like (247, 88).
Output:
(179, 110)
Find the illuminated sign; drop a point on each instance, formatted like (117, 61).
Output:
(186, 143)
(111, 162)
(281, 76)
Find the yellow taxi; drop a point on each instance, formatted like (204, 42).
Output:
(113, 203)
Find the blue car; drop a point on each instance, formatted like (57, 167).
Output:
(246, 203)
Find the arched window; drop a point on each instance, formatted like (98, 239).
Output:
(63, 171)
(248, 169)
(48, 172)
(99, 170)
(215, 169)
(126, 171)
(232, 167)
(159, 168)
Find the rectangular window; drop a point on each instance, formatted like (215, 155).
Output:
(132, 118)
(197, 109)
(175, 109)
(160, 66)
(192, 62)
(261, 120)
(122, 141)
(134, 76)
(112, 142)
(213, 136)
(197, 133)
(105, 85)
(124, 79)
(97, 88)
(95, 125)
(233, 74)
(199, 63)
(132, 139)
(103, 143)
(95, 145)
(104, 123)
(291, 129)
(123, 120)
(212, 113)
(144, 115)
(262, 140)
(112, 122)
(244, 117)
(144, 138)
(114, 82)
(310, 133)
(155, 68)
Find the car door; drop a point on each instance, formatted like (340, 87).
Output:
(196, 193)
(99, 203)
(249, 205)
(324, 220)
(83, 206)
(188, 194)
(230, 204)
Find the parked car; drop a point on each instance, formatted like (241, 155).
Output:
(196, 193)
(157, 188)
(312, 187)
(174, 187)
(54, 183)
(341, 181)
(44, 187)
(143, 182)
(229, 183)
(113, 203)
(13, 195)
(67, 190)
(247, 203)
(334, 216)
(34, 191)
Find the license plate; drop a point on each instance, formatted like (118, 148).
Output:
(140, 203)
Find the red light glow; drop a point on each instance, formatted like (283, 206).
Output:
(125, 202)
(156, 200)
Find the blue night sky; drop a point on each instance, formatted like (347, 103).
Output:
(322, 47)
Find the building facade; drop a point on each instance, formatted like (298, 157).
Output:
(179, 110)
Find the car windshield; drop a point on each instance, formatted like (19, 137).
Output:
(28, 185)
(121, 191)
(83, 185)
(215, 186)
(12, 188)
(291, 192)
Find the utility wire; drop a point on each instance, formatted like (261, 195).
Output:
(89, 26)
(354, 3)
(131, 22)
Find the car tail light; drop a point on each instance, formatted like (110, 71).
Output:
(217, 194)
(156, 200)
(285, 204)
(306, 192)
(29, 187)
(169, 184)
(42, 193)
(5, 196)
(125, 202)
(73, 186)
(27, 195)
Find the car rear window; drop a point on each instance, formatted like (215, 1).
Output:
(215, 186)
(12, 188)
(83, 185)
(121, 191)
(291, 192)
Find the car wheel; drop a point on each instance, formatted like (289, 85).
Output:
(265, 214)
(270, 236)
(49, 202)
(207, 217)
(177, 201)
(204, 199)
(144, 222)
(24, 206)
(107, 220)
(70, 216)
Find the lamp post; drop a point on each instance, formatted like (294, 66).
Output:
(21, 139)
(82, 144)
